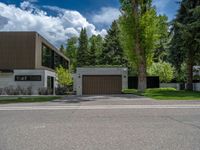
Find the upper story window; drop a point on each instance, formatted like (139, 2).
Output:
(47, 57)
(51, 59)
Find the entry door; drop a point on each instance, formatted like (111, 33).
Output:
(102, 84)
(50, 84)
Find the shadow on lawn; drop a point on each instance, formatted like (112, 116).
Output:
(180, 95)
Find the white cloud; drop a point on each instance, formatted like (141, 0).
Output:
(161, 5)
(106, 15)
(57, 29)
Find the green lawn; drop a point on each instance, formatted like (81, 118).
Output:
(26, 99)
(166, 94)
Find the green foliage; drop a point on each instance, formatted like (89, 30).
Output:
(180, 75)
(83, 52)
(186, 40)
(196, 74)
(140, 32)
(29, 99)
(162, 69)
(64, 77)
(151, 27)
(165, 94)
(95, 50)
(92, 52)
(127, 38)
(96, 45)
(171, 94)
(99, 47)
(71, 52)
(129, 91)
(150, 33)
(112, 53)
(162, 45)
(62, 49)
(160, 89)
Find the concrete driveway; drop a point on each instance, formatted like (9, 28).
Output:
(120, 122)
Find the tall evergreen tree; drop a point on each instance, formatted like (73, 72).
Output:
(83, 54)
(71, 52)
(186, 40)
(62, 49)
(92, 52)
(99, 42)
(96, 46)
(112, 52)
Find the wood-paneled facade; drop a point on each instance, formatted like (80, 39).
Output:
(23, 50)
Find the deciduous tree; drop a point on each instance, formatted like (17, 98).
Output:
(139, 26)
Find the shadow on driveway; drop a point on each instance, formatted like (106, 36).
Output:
(100, 98)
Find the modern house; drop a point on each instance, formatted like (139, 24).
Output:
(28, 60)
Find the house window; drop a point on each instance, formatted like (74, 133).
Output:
(28, 78)
(51, 59)
(47, 57)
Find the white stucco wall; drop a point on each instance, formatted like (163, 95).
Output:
(8, 79)
(74, 81)
(99, 71)
(196, 86)
(34, 84)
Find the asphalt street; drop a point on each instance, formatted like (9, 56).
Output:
(101, 126)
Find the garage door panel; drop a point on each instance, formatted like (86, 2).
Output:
(102, 84)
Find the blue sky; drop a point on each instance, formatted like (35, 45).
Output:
(58, 20)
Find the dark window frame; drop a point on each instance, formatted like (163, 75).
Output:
(54, 60)
(28, 78)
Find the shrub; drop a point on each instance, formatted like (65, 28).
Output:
(61, 90)
(164, 70)
(1, 91)
(16, 91)
(129, 91)
(64, 77)
(43, 91)
(160, 89)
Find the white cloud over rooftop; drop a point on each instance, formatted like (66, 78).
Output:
(57, 29)
(106, 15)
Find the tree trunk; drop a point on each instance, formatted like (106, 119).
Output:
(142, 78)
(189, 85)
(140, 53)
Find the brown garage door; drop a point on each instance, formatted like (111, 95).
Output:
(109, 84)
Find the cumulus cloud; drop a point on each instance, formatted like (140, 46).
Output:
(106, 15)
(57, 28)
(161, 5)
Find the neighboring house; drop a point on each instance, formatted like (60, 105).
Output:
(196, 76)
(196, 72)
(28, 60)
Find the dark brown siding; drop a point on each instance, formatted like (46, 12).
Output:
(109, 84)
(17, 50)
